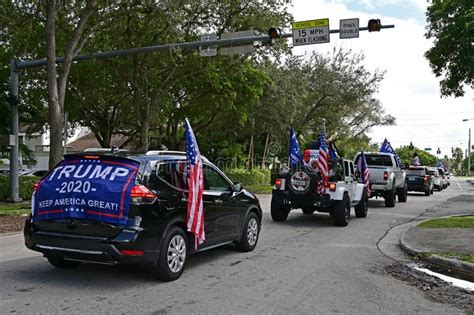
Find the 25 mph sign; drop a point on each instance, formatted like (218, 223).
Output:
(310, 32)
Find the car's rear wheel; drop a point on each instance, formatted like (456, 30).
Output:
(250, 233)
(278, 211)
(362, 208)
(173, 255)
(342, 211)
(61, 263)
(390, 199)
(427, 192)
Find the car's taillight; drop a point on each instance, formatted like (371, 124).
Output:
(35, 186)
(278, 183)
(332, 186)
(141, 194)
(426, 179)
(385, 175)
(132, 252)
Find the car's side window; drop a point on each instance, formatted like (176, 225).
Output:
(174, 173)
(346, 169)
(214, 181)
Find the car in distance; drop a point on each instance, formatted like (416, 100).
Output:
(154, 231)
(419, 179)
(297, 189)
(437, 179)
(387, 179)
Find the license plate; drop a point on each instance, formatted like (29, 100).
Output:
(411, 178)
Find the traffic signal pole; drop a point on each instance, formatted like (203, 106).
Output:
(17, 65)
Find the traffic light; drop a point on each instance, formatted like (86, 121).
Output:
(374, 25)
(274, 33)
(411, 147)
(439, 151)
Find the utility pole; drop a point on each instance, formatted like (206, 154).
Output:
(14, 134)
(469, 154)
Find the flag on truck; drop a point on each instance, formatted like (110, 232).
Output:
(195, 214)
(323, 163)
(295, 152)
(364, 172)
(387, 148)
(332, 149)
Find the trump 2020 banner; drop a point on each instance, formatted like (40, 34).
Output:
(86, 187)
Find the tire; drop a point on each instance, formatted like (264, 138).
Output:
(342, 211)
(439, 188)
(308, 173)
(250, 233)
(431, 191)
(278, 211)
(390, 199)
(362, 208)
(61, 263)
(427, 192)
(307, 210)
(173, 255)
(402, 194)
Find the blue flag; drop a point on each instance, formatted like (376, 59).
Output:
(295, 152)
(387, 148)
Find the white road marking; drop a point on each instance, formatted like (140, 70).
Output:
(8, 236)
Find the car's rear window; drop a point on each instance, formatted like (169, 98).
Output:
(378, 160)
(420, 172)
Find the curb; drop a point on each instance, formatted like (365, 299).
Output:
(449, 263)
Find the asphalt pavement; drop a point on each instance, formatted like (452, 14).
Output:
(304, 265)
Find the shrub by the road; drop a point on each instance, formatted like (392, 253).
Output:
(25, 184)
(249, 177)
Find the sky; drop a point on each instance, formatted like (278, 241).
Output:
(410, 91)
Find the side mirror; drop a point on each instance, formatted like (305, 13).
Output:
(237, 187)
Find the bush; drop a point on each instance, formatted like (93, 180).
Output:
(25, 187)
(249, 177)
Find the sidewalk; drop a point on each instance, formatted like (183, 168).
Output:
(424, 243)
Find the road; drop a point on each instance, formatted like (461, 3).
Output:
(305, 265)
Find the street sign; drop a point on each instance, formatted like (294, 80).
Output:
(310, 32)
(208, 51)
(240, 49)
(349, 28)
(427, 149)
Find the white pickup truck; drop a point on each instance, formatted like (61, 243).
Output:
(387, 180)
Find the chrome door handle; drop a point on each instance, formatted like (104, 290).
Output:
(184, 199)
(218, 201)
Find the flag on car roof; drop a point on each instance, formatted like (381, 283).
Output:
(387, 148)
(364, 172)
(323, 163)
(195, 215)
(295, 152)
(332, 149)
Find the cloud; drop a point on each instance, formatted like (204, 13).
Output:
(410, 91)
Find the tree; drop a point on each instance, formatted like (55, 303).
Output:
(57, 84)
(406, 155)
(451, 25)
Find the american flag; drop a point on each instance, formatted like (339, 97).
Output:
(364, 171)
(323, 163)
(195, 215)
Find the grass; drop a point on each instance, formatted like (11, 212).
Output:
(260, 189)
(452, 222)
(463, 257)
(15, 208)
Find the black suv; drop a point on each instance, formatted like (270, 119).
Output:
(154, 231)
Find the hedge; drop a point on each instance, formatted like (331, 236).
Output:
(249, 177)
(25, 187)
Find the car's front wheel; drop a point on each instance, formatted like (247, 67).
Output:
(61, 263)
(250, 233)
(173, 255)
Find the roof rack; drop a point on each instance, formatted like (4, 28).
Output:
(163, 152)
(113, 150)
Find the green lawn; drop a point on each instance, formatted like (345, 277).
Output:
(15, 208)
(453, 222)
(259, 189)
